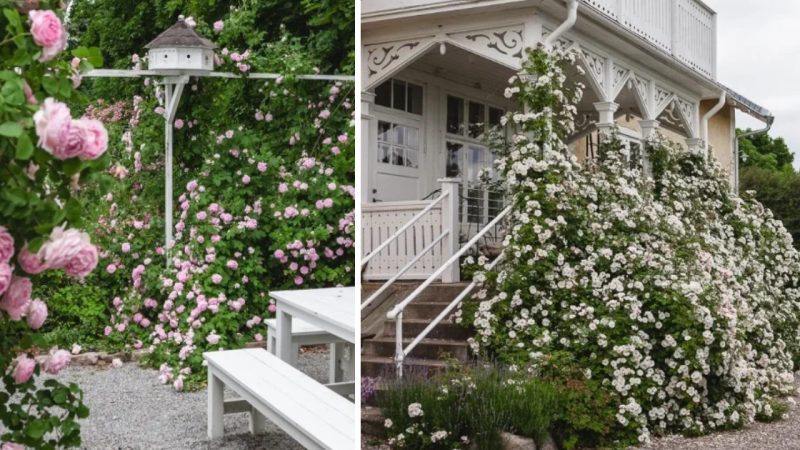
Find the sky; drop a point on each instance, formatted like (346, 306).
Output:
(758, 56)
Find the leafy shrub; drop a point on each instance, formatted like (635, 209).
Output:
(777, 191)
(677, 297)
(471, 405)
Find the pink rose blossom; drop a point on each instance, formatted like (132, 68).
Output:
(29, 97)
(6, 245)
(219, 25)
(12, 445)
(178, 124)
(342, 138)
(201, 215)
(324, 114)
(72, 146)
(262, 167)
(47, 33)
(62, 246)
(283, 188)
(56, 361)
(126, 247)
(213, 338)
(111, 268)
(37, 314)
(190, 22)
(178, 384)
(246, 179)
(259, 116)
(5, 276)
(298, 280)
(216, 278)
(52, 124)
(82, 263)
(272, 308)
(96, 139)
(15, 301)
(335, 150)
(232, 264)
(23, 370)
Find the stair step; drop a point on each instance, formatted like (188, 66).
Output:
(372, 422)
(383, 366)
(427, 348)
(413, 327)
(424, 310)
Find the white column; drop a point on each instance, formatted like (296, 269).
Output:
(168, 171)
(695, 145)
(450, 222)
(606, 111)
(365, 155)
(648, 127)
(216, 405)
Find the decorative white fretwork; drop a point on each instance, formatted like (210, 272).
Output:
(504, 45)
(641, 90)
(687, 111)
(595, 66)
(386, 58)
(662, 99)
(620, 76)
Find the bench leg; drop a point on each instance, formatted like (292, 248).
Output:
(216, 406)
(258, 423)
(336, 351)
(271, 342)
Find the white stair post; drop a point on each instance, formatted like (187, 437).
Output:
(450, 222)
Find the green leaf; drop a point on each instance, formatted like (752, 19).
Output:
(14, 20)
(72, 166)
(24, 148)
(11, 129)
(50, 84)
(82, 412)
(36, 429)
(74, 210)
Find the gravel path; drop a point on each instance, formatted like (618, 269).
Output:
(130, 409)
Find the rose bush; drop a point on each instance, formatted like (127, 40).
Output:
(46, 155)
(678, 296)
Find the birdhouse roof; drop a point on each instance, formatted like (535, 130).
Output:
(180, 35)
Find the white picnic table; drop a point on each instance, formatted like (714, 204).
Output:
(331, 309)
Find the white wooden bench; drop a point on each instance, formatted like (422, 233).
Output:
(303, 333)
(311, 413)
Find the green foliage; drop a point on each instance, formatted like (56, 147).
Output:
(777, 190)
(37, 193)
(764, 152)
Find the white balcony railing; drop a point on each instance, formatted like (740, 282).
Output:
(686, 29)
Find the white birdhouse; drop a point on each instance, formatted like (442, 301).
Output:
(180, 48)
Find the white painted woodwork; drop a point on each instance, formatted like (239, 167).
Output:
(303, 333)
(379, 221)
(180, 58)
(330, 309)
(315, 416)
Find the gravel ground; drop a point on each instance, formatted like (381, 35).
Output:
(130, 409)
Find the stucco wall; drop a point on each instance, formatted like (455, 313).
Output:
(719, 133)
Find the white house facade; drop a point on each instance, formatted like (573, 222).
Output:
(433, 77)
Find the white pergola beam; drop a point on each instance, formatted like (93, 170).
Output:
(121, 73)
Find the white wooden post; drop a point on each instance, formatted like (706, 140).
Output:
(365, 156)
(173, 89)
(606, 112)
(284, 345)
(450, 186)
(216, 405)
(649, 128)
(258, 423)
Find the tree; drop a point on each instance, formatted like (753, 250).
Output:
(765, 152)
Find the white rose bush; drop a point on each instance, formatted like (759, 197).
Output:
(673, 296)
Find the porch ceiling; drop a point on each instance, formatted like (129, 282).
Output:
(465, 68)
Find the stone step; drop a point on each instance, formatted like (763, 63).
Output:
(413, 327)
(427, 349)
(384, 367)
(372, 422)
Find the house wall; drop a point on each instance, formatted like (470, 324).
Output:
(720, 133)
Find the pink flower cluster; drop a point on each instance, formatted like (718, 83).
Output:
(70, 250)
(64, 137)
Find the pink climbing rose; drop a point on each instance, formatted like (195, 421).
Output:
(23, 370)
(213, 338)
(5, 276)
(37, 314)
(96, 138)
(82, 263)
(48, 33)
(219, 25)
(56, 361)
(30, 262)
(74, 142)
(15, 301)
(6, 245)
(52, 124)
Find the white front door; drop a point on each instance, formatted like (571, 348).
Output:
(400, 144)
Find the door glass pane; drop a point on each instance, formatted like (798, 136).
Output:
(399, 101)
(476, 119)
(455, 115)
(399, 135)
(383, 94)
(398, 154)
(414, 99)
(453, 166)
(474, 205)
(411, 157)
(412, 137)
(385, 153)
(494, 116)
(383, 131)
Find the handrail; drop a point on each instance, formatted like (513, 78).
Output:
(402, 305)
(424, 333)
(402, 229)
(405, 268)
(396, 313)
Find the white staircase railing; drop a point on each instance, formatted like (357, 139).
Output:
(396, 313)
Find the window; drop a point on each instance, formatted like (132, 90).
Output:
(469, 118)
(467, 161)
(400, 95)
(398, 144)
